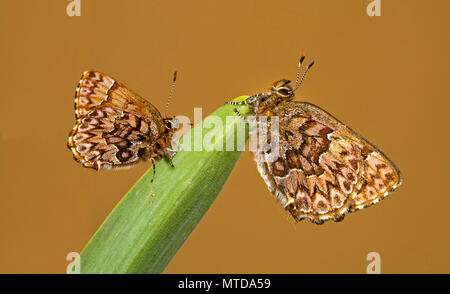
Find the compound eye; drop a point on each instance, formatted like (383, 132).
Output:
(284, 92)
(168, 124)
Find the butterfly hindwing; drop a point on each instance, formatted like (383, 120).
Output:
(324, 169)
(380, 177)
(106, 137)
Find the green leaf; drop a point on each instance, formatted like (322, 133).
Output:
(151, 222)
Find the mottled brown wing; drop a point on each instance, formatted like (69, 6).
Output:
(324, 169)
(96, 88)
(106, 137)
(380, 178)
(93, 88)
(115, 127)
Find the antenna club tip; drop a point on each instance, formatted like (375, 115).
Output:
(311, 64)
(175, 76)
(302, 58)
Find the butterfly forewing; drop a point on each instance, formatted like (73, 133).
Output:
(92, 90)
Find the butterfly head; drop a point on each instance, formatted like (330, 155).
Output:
(283, 88)
(171, 123)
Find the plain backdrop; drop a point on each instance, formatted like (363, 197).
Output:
(385, 76)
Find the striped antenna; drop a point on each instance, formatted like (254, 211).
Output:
(299, 81)
(172, 91)
(298, 68)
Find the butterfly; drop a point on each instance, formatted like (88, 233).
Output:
(323, 169)
(115, 127)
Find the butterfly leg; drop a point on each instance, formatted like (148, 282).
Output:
(250, 100)
(253, 101)
(237, 103)
(154, 170)
(240, 115)
(170, 154)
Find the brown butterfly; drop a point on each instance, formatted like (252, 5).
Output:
(324, 169)
(117, 128)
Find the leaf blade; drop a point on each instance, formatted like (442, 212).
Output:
(152, 221)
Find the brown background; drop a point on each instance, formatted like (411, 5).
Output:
(387, 77)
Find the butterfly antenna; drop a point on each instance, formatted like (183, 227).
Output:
(172, 90)
(299, 80)
(298, 69)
